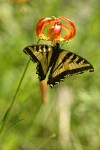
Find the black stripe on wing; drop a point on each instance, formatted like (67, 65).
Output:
(30, 53)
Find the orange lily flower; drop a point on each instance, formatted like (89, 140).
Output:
(52, 29)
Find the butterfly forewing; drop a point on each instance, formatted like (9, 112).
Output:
(66, 65)
(42, 55)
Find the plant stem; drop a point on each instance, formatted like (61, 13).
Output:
(2, 124)
(6, 115)
(20, 83)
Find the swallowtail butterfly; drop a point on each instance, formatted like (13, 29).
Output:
(57, 62)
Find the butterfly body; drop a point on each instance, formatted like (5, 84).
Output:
(58, 62)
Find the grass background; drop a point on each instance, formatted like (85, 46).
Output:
(32, 125)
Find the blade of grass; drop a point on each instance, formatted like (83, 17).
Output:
(14, 123)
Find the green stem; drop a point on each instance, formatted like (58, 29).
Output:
(2, 124)
(20, 83)
(6, 115)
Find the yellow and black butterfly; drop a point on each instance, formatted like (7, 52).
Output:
(58, 62)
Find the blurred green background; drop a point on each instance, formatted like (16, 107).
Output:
(71, 118)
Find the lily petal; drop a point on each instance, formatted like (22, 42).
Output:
(54, 32)
(40, 26)
(71, 24)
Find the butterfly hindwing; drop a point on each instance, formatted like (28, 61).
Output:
(66, 65)
(41, 54)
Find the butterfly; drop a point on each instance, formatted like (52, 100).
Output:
(56, 62)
